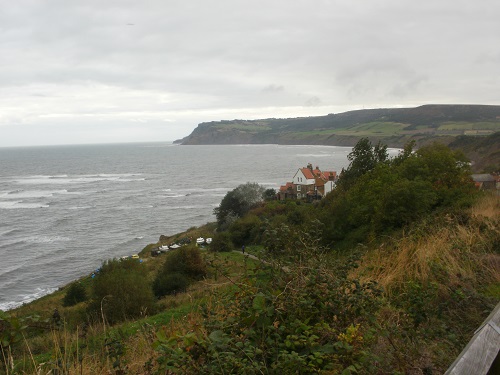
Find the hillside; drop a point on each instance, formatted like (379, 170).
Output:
(470, 128)
(391, 126)
(392, 272)
(484, 152)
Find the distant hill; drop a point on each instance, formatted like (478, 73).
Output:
(484, 152)
(460, 126)
(392, 126)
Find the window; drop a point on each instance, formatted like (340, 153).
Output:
(298, 196)
(298, 187)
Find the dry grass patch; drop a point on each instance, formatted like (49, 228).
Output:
(488, 206)
(449, 254)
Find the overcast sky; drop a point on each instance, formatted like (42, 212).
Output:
(94, 71)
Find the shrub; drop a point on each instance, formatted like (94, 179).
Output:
(180, 268)
(222, 242)
(186, 261)
(308, 320)
(245, 230)
(75, 294)
(122, 290)
(165, 284)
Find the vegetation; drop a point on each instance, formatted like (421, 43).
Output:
(377, 195)
(120, 292)
(76, 293)
(394, 127)
(238, 202)
(390, 273)
(181, 267)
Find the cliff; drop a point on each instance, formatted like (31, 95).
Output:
(392, 126)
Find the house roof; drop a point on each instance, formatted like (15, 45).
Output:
(327, 174)
(287, 186)
(307, 173)
(483, 178)
(320, 181)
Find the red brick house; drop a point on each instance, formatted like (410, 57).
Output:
(308, 183)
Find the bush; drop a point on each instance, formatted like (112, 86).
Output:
(75, 294)
(180, 268)
(222, 242)
(122, 290)
(165, 284)
(308, 320)
(245, 230)
(186, 261)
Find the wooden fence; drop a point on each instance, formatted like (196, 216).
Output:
(481, 355)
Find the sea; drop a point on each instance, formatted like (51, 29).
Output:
(66, 209)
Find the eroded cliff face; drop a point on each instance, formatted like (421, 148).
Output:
(392, 126)
(218, 136)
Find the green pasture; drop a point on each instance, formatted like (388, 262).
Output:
(244, 127)
(463, 126)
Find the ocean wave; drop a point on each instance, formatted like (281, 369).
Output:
(10, 232)
(191, 207)
(8, 271)
(13, 205)
(46, 239)
(32, 193)
(38, 293)
(75, 179)
(174, 195)
(315, 155)
(10, 244)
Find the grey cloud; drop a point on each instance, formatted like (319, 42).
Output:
(313, 101)
(273, 88)
(218, 58)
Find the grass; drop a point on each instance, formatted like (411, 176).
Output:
(87, 351)
(247, 128)
(377, 128)
(443, 251)
(463, 126)
(456, 254)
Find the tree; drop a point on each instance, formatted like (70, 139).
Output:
(363, 158)
(379, 196)
(269, 194)
(237, 203)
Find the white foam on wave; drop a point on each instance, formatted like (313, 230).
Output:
(13, 205)
(46, 239)
(174, 195)
(39, 292)
(191, 207)
(75, 179)
(10, 232)
(315, 155)
(15, 194)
